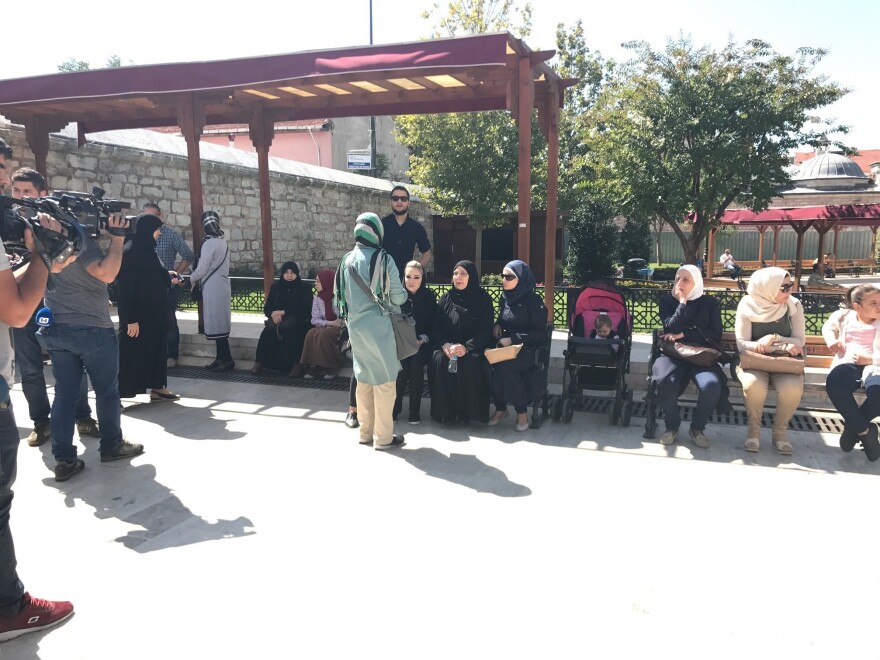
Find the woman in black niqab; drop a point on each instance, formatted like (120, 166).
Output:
(288, 310)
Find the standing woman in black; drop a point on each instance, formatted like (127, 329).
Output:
(422, 304)
(522, 319)
(143, 285)
(463, 331)
(288, 311)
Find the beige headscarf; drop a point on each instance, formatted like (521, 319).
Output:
(760, 305)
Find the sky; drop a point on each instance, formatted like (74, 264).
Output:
(180, 31)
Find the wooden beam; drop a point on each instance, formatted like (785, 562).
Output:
(262, 132)
(524, 119)
(837, 229)
(191, 120)
(761, 231)
(776, 230)
(552, 114)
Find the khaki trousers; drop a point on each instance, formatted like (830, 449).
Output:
(374, 406)
(756, 384)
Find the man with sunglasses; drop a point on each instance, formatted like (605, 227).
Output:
(403, 234)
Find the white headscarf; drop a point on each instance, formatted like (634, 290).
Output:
(697, 277)
(760, 304)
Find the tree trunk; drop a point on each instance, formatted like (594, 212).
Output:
(478, 250)
(658, 236)
(692, 248)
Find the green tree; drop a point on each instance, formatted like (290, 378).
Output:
(592, 241)
(73, 64)
(466, 163)
(686, 132)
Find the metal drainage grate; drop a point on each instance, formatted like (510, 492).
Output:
(802, 421)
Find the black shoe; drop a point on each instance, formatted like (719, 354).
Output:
(351, 420)
(64, 470)
(415, 419)
(124, 449)
(214, 364)
(396, 441)
(848, 439)
(228, 365)
(871, 443)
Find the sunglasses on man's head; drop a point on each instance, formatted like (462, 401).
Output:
(508, 276)
(785, 288)
(399, 198)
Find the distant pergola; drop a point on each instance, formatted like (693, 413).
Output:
(821, 218)
(464, 74)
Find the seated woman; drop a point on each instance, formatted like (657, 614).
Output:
(458, 371)
(288, 310)
(422, 304)
(320, 355)
(768, 318)
(689, 316)
(522, 319)
(852, 333)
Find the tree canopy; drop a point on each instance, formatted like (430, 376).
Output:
(686, 132)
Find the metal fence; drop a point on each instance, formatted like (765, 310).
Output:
(247, 297)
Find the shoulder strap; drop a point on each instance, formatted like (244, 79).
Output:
(217, 268)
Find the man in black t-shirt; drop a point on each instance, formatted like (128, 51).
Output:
(403, 234)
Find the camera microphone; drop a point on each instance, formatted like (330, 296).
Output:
(44, 317)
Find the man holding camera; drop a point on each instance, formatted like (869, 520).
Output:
(169, 245)
(81, 335)
(28, 353)
(20, 613)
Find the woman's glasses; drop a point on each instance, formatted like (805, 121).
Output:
(508, 277)
(785, 288)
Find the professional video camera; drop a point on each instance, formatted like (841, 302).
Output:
(77, 213)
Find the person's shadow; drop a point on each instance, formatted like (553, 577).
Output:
(132, 494)
(462, 469)
(182, 421)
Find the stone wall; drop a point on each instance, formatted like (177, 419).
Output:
(312, 217)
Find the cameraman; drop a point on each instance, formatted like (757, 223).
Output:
(82, 336)
(20, 613)
(28, 354)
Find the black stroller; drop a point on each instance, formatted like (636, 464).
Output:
(596, 364)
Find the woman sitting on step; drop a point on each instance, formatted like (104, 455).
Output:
(852, 333)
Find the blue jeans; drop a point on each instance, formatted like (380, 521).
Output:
(840, 384)
(11, 588)
(173, 330)
(29, 360)
(671, 377)
(72, 349)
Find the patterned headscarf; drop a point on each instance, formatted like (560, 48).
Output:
(211, 224)
(368, 230)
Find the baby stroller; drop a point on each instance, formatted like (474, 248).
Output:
(596, 364)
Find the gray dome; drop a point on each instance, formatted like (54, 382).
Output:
(830, 171)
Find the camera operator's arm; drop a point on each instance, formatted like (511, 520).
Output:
(107, 269)
(22, 292)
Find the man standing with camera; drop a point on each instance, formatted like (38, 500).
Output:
(169, 245)
(81, 335)
(28, 353)
(20, 613)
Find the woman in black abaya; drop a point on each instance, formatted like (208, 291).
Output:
(143, 285)
(288, 310)
(463, 331)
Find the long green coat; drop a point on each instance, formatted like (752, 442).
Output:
(373, 349)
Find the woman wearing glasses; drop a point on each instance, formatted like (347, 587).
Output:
(769, 319)
(522, 319)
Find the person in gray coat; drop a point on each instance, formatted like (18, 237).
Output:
(374, 351)
(212, 273)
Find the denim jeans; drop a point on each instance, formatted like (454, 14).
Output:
(671, 377)
(840, 384)
(173, 330)
(72, 348)
(11, 588)
(29, 360)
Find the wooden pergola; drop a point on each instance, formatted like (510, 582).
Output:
(821, 218)
(464, 74)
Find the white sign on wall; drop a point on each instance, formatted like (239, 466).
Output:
(358, 160)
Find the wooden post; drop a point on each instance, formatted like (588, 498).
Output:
(524, 121)
(873, 254)
(191, 120)
(776, 230)
(38, 140)
(550, 112)
(837, 229)
(761, 230)
(262, 132)
(800, 230)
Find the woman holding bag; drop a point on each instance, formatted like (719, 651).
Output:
(769, 320)
(522, 319)
(689, 316)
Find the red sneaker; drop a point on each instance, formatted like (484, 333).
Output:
(35, 614)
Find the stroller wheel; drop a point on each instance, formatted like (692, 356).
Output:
(626, 413)
(556, 408)
(614, 412)
(567, 410)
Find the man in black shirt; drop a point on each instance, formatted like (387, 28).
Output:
(403, 234)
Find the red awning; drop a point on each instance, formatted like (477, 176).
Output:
(844, 214)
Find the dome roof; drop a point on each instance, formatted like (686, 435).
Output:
(830, 170)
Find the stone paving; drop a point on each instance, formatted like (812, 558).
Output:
(255, 526)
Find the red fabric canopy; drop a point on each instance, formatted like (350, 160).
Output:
(855, 214)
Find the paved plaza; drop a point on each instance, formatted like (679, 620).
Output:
(255, 526)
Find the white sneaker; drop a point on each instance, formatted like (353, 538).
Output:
(668, 437)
